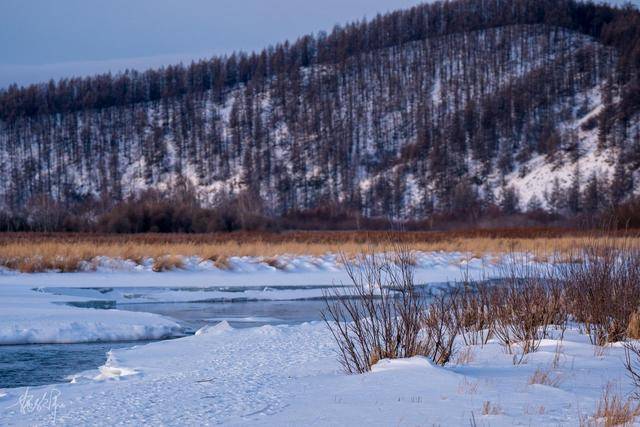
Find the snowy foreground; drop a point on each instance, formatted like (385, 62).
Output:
(287, 375)
(278, 375)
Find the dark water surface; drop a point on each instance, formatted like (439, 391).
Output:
(40, 364)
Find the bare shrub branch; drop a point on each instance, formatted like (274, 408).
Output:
(381, 316)
(441, 327)
(632, 364)
(602, 283)
(525, 304)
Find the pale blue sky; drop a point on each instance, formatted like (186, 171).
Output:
(42, 39)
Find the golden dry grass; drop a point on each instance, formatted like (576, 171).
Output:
(167, 263)
(633, 330)
(545, 377)
(613, 410)
(489, 408)
(66, 252)
(274, 262)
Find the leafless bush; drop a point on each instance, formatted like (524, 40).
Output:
(519, 309)
(382, 319)
(545, 377)
(525, 306)
(465, 356)
(441, 327)
(558, 356)
(603, 288)
(489, 408)
(633, 329)
(385, 317)
(473, 309)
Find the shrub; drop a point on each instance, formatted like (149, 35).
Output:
(465, 356)
(441, 327)
(632, 364)
(525, 305)
(475, 316)
(545, 377)
(382, 318)
(489, 408)
(633, 329)
(603, 287)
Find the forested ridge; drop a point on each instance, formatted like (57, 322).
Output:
(451, 109)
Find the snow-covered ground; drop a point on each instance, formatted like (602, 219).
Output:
(276, 375)
(288, 375)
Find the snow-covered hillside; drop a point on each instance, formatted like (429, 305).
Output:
(432, 109)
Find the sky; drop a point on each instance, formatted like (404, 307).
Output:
(44, 39)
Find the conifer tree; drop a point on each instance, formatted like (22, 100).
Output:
(509, 200)
(621, 183)
(574, 195)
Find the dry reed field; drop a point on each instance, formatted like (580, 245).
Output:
(34, 252)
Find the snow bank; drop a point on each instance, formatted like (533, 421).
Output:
(217, 329)
(250, 264)
(278, 375)
(31, 317)
(97, 327)
(248, 271)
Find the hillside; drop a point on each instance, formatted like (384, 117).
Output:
(445, 109)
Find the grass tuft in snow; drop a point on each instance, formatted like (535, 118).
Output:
(489, 408)
(613, 410)
(168, 263)
(545, 377)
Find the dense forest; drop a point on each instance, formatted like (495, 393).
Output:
(455, 111)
